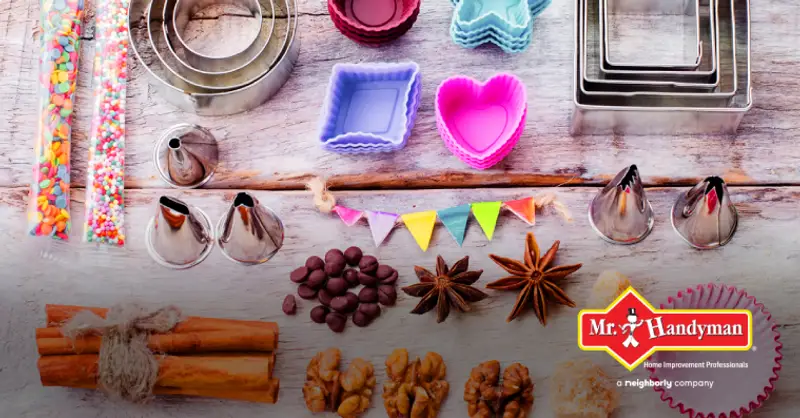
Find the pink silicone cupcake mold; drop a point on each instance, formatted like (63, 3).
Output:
(481, 164)
(391, 18)
(481, 122)
(736, 391)
(371, 38)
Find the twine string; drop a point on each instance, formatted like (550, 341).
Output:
(126, 368)
(323, 199)
(325, 202)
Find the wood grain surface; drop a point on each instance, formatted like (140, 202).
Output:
(762, 258)
(275, 145)
(273, 148)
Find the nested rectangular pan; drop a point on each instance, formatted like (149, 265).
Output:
(688, 10)
(664, 115)
(707, 58)
(593, 82)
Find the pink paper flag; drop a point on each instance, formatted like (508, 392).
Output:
(348, 216)
(381, 223)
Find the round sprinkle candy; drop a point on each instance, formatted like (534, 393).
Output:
(105, 207)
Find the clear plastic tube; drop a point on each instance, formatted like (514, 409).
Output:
(105, 183)
(48, 209)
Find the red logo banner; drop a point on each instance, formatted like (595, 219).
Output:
(631, 329)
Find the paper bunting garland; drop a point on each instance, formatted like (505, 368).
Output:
(486, 214)
(347, 215)
(455, 220)
(420, 225)
(525, 209)
(381, 223)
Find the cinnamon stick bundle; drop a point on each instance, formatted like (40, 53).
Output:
(208, 357)
(194, 342)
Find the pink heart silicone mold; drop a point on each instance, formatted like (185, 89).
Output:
(480, 164)
(481, 122)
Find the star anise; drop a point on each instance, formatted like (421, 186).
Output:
(446, 288)
(536, 278)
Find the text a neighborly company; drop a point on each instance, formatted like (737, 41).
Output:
(668, 384)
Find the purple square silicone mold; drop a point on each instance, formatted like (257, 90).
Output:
(370, 107)
(355, 145)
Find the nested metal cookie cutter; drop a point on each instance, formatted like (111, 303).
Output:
(651, 115)
(724, 84)
(162, 10)
(708, 56)
(174, 28)
(689, 9)
(239, 94)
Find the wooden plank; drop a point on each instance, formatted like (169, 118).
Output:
(762, 258)
(274, 146)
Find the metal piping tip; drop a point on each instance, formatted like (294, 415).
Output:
(704, 216)
(186, 156)
(621, 213)
(249, 233)
(179, 235)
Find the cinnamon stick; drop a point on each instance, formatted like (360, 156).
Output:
(194, 342)
(200, 373)
(268, 395)
(58, 315)
(263, 396)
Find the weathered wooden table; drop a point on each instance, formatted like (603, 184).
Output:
(273, 150)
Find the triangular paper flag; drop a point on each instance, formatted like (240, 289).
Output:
(486, 214)
(455, 220)
(420, 224)
(381, 223)
(525, 209)
(348, 216)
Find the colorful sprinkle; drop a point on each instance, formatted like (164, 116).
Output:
(105, 181)
(48, 211)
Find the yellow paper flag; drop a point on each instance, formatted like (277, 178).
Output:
(420, 224)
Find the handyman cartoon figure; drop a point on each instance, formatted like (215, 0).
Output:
(630, 327)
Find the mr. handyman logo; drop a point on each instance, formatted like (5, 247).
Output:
(631, 329)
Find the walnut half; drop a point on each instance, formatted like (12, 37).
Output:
(487, 398)
(347, 393)
(415, 389)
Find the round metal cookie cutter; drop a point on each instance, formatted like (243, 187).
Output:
(183, 76)
(215, 103)
(174, 28)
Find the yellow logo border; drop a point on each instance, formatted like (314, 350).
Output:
(654, 349)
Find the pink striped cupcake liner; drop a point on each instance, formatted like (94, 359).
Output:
(736, 391)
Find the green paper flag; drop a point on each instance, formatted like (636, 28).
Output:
(420, 224)
(486, 214)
